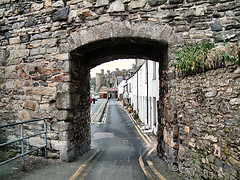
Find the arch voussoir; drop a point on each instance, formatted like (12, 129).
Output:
(86, 36)
(103, 31)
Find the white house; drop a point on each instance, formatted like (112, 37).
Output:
(143, 90)
(121, 89)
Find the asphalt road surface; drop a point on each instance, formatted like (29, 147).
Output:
(119, 151)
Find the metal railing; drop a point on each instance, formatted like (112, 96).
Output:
(23, 138)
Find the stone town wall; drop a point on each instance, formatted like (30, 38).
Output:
(38, 75)
(208, 106)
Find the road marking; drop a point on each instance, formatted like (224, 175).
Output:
(105, 115)
(138, 129)
(143, 168)
(150, 164)
(76, 174)
(150, 152)
(145, 134)
(97, 112)
(154, 170)
(89, 168)
(142, 136)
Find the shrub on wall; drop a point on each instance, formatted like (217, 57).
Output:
(200, 57)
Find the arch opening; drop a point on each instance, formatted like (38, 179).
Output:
(85, 58)
(119, 48)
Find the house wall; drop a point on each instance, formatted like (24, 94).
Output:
(140, 100)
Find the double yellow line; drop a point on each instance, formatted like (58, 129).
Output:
(105, 115)
(80, 169)
(97, 112)
(148, 141)
(144, 136)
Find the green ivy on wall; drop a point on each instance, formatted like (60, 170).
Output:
(194, 58)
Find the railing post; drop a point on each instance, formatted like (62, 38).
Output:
(45, 137)
(22, 147)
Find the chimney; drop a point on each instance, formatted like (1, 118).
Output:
(102, 71)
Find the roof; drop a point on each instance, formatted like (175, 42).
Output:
(105, 89)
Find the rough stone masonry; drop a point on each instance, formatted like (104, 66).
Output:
(47, 48)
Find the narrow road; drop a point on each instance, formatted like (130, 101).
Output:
(120, 147)
(119, 151)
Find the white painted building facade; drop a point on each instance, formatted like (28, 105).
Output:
(143, 90)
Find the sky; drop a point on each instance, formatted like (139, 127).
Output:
(112, 65)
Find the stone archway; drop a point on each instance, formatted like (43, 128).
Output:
(89, 48)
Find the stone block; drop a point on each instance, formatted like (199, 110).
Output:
(105, 18)
(235, 101)
(30, 91)
(32, 105)
(58, 4)
(59, 145)
(103, 31)
(75, 40)
(200, 11)
(61, 57)
(166, 32)
(73, 2)
(224, 107)
(187, 129)
(64, 136)
(63, 100)
(61, 78)
(14, 40)
(24, 38)
(211, 93)
(175, 1)
(211, 138)
(61, 126)
(41, 115)
(64, 48)
(36, 6)
(49, 42)
(60, 34)
(64, 115)
(61, 15)
(73, 14)
(156, 2)
(2, 12)
(36, 141)
(66, 67)
(31, 21)
(46, 91)
(86, 36)
(52, 135)
(216, 26)
(116, 6)
(24, 115)
(45, 106)
(44, 35)
(136, 4)
(102, 3)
